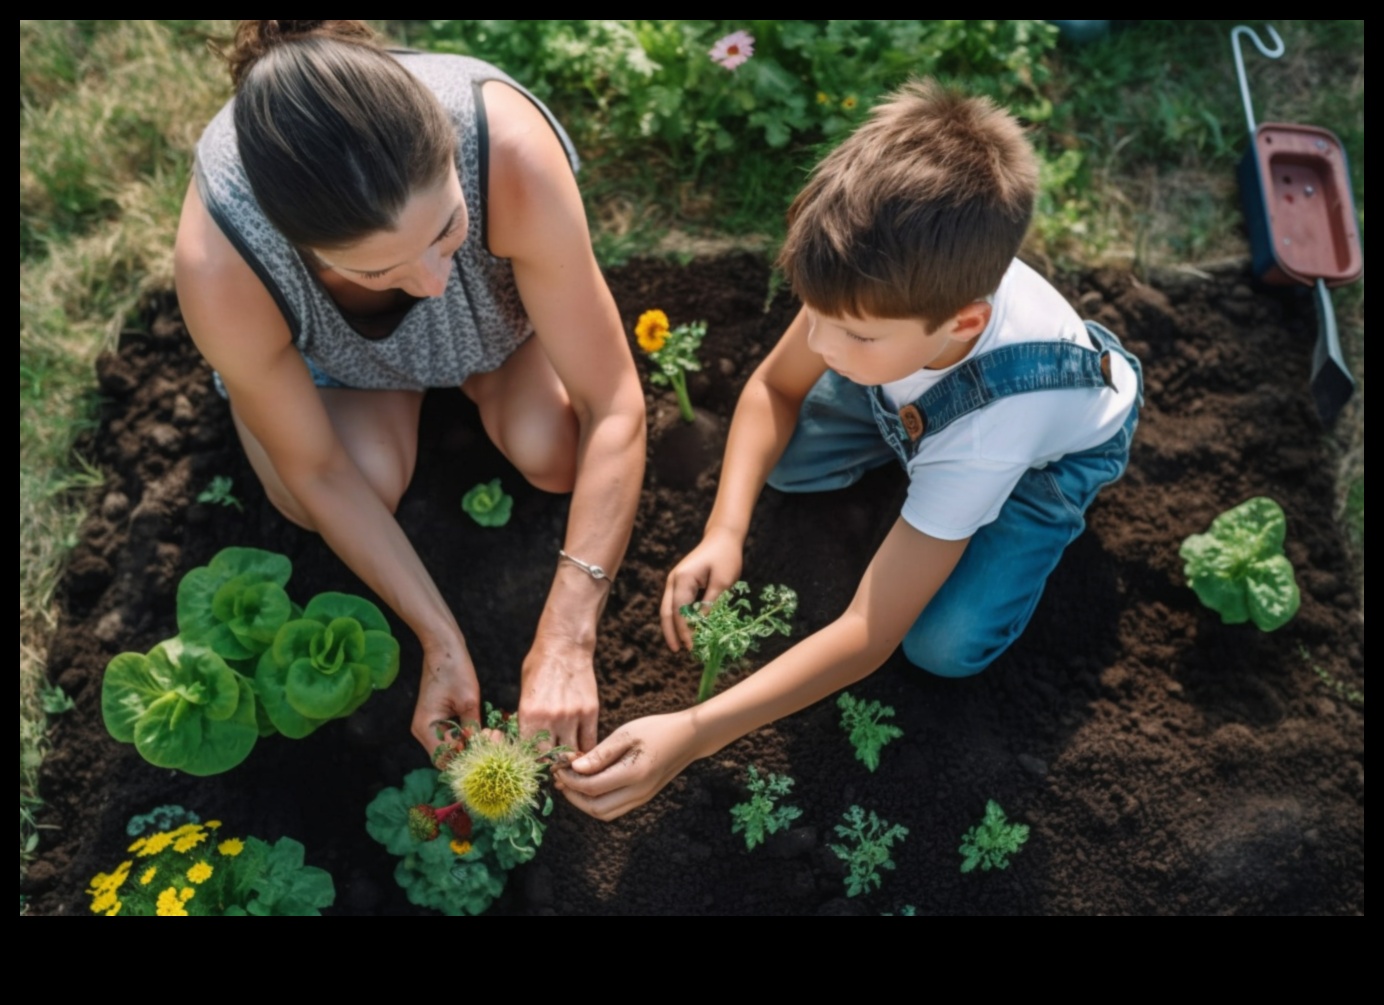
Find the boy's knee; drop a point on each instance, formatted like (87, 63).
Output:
(954, 657)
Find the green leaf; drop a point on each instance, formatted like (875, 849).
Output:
(1238, 568)
(328, 607)
(1273, 593)
(314, 694)
(223, 604)
(270, 679)
(488, 504)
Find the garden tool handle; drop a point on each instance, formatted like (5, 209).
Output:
(1274, 53)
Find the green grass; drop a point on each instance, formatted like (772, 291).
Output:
(1139, 134)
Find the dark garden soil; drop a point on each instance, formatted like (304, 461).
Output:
(1166, 763)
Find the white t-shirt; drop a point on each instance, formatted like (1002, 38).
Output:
(960, 477)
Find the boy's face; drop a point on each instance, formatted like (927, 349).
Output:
(881, 350)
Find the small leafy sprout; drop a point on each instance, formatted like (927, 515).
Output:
(907, 911)
(759, 815)
(219, 493)
(488, 504)
(1338, 687)
(990, 843)
(861, 721)
(865, 848)
(673, 352)
(54, 700)
(1238, 568)
(725, 630)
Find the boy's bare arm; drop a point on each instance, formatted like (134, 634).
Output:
(633, 764)
(763, 424)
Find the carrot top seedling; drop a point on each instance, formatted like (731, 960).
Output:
(990, 843)
(866, 842)
(861, 721)
(760, 815)
(726, 629)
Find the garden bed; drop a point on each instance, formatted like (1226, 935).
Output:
(1166, 763)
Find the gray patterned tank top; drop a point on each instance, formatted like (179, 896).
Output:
(471, 328)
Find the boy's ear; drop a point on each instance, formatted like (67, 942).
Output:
(971, 320)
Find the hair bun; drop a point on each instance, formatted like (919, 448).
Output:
(254, 38)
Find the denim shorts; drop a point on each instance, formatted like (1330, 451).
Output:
(320, 378)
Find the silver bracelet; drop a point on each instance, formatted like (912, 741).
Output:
(594, 571)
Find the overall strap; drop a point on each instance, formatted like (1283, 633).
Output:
(1014, 369)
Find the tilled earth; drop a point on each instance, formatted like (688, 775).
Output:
(1166, 763)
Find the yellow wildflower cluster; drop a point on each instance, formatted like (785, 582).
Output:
(651, 330)
(171, 902)
(180, 857)
(460, 847)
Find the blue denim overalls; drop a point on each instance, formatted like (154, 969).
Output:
(845, 429)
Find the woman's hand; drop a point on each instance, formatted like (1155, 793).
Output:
(629, 767)
(448, 691)
(708, 571)
(558, 693)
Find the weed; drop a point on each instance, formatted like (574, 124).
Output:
(219, 493)
(55, 700)
(1335, 685)
(760, 815)
(867, 841)
(861, 721)
(990, 843)
(726, 629)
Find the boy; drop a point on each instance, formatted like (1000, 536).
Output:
(923, 338)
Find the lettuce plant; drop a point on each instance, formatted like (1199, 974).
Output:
(990, 843)
(861, 721)
(181, 706)
(726, 629)
(866, 842)
(760, 815)
(324, 665)
(488, 504)
(1238, 568)
(448, 861)
(236, 603)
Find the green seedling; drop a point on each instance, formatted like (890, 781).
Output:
(760, 816)
(54, 700)
(488, 504)
(867, 841)
(725, 630)
(1338, 687)
(861, 721)
(1238, 568)
(907, 911)
(990, 843)
(219, 493)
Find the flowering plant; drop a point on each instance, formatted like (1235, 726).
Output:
(673, 352)
(192, 871)
(732, 50)
(448, 860)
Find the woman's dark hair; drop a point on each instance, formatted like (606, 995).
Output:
(334, 134)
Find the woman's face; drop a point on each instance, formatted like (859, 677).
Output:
(416, 256)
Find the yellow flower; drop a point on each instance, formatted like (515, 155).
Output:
(169, 906)
(186, 829)
(186, 894)
(190, 840)
(103, 901)
(136, 846)
(849, 102)
(155, 844)
(200, 873)
(114, 910)
(823, 98)
(148, 875)
(231, 847)
(213, 825)
(651, 330)
(110, 882)
(461, 847)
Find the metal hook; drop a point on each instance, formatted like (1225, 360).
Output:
(1264, 50)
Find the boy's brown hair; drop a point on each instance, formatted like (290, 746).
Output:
(918, 213)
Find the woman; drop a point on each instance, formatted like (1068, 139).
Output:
(363, 225)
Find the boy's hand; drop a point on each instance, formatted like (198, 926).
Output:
(629, 767)
(711, 568)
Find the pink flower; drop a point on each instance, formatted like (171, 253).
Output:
(733, 50)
